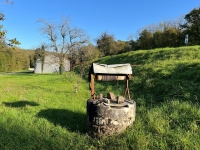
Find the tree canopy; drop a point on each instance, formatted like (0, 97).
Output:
(107, 45)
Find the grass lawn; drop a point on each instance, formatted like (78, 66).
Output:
(45, 112)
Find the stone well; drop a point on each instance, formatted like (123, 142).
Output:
(109, 115)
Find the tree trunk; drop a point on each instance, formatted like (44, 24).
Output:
(61, 68)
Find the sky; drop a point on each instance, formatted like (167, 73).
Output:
(120, 18)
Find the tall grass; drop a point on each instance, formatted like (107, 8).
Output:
(45, 112)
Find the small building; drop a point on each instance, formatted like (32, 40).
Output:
(51, 65)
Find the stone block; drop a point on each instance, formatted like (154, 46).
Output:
(111, 96)
(120, 99)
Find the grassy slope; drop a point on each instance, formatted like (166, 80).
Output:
(44, 112)
(167, 91)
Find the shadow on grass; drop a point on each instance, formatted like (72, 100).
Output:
(74, 121)
(20, 104)
(27, 72)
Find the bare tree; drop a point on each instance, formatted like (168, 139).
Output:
(63, 38)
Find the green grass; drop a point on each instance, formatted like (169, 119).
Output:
(45, 112)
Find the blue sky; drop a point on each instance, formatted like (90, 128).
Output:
(118, 17)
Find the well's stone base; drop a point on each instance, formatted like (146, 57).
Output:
(109, 118)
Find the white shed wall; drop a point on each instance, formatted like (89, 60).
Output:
(51, 65)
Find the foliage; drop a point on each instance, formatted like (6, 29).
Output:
(84, 57)
(107, 45)
(145, 40)
(14, 59)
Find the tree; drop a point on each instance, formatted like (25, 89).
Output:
(133, 45)
(145, 39)
(192, 26)
(106, 44)
(63, 38)
(157, 39)
(122, 47)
